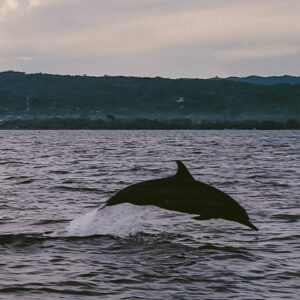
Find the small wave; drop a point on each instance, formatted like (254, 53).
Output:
(273, 183)
(16, 177)
(75, 189)
(59, 172)
(258, 176)
(69, 181)
(23, 239)
(13, 163)
(20, 239)
(223, 248)
(136, 168)
(27, 181)
(229, 182)
(20, 179)
(45, 222)
(283, 237)
(289, 218)
(34, 287)
(6, 162)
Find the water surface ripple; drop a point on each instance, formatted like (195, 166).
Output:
(54, 244)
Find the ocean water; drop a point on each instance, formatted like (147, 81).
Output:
(55, 244)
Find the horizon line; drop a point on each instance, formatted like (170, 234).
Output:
(152, 77)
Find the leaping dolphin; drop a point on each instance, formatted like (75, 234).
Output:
(185, 194)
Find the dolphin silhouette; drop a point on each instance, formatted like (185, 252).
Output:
(182, 193)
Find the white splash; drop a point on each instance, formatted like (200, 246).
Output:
(122, 220)
(83, 225)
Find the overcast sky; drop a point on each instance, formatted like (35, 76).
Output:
(168, 38)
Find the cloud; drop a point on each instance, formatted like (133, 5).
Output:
(33, 3)
(226, 31)
(258, 52)
(24, 58)
(7, 6)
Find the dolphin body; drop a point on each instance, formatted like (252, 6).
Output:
(182, 193)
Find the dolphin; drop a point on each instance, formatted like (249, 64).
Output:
(182, 193)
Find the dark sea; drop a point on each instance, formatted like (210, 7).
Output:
(55, 244)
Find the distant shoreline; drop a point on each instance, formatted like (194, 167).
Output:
(43, 101)
(144, 124)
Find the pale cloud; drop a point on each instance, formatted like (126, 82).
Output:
(6, 6)
(33, 3)
(226, 31)
(259, 52)
(24, 58)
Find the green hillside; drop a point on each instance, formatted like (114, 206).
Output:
(43, 96)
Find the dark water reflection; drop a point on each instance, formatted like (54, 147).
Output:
(50, 178)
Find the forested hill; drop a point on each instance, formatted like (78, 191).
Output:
(272, 80)
(48, 96)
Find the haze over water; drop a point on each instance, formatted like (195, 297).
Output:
(54, 244)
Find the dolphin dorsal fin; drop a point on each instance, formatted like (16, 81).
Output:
(182, 171)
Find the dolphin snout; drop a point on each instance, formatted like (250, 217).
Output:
(249, 224)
